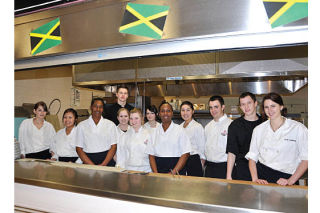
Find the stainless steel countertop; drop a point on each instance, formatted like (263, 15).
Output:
(200, 194)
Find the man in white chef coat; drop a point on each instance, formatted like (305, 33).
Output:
(216, 133)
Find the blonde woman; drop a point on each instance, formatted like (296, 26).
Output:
(122, 128)
(135, 143)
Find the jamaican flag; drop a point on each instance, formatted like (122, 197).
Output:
(281, 12)
(144, 20)
(45, 37)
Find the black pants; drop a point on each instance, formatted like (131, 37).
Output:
(98, 157)
(271, 175)
(241, 171)
(194, 167)
(216, 170)
(45, 154)
(68, 159)
(166, 164)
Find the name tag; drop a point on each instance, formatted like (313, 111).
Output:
(292, 140)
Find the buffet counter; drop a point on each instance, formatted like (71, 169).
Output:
(65, 187)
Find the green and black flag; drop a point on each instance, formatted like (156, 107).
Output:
(45, 37)
(281, 12)
(144, 20)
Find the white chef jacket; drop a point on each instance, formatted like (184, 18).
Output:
(135, 144)
(216, 134)
(32, 139)
(120, 154)
(171, 143)
(64, 145)
(151, 129)
(96, 138)
(195, 132)
(282, 150)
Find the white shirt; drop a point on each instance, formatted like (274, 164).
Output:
(96, 138)
(135, 144)
(151, 129)
(32, 139)
(195, 132)
(120, 154)
(64, 145)
(171, 143)
(216, 134)
(282, 150)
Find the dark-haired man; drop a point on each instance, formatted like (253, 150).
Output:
(239, 138)
(216, 133)
(111, 112)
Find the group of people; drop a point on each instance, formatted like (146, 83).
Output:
(248, 148)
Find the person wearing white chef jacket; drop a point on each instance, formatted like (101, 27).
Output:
(195, 132)
(170, 146)
(216, 133)
(279, 146)
(36, 134)
(135, 143)
(122, 128)
(96, 138)
(64, 141)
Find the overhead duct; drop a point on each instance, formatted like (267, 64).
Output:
(259, 71)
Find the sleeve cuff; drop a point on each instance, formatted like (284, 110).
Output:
(251, 156)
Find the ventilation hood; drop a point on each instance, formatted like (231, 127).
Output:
(208, 47)
(260, 71)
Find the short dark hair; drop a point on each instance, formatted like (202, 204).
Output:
(122, 86)
(74, 112)
(217, 98)
(245, 94)
(41, 103)
(165, 102)
(97, 99)
(187, 103)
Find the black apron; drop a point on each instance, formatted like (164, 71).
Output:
(194, 167)
(241, 171)
(98, 157)
(271, 175)
(166, 164)
(216, 170)
(44, 155)
(68, 159)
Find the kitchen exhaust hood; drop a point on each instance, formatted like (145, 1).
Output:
(208, 47)
(282, 69)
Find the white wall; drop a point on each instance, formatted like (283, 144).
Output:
(47, 89)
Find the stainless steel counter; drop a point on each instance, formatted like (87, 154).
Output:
(199, 194)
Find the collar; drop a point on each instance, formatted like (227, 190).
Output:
(221, 119)
(170, 127)
(92, 123)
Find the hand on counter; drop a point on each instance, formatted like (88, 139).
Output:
(261, 181)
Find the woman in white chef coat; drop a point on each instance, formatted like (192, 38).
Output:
(170, 146)
(64, 141)
(96, 138)
(152, 117)
(36, 134)
(279, 146)
(122, 128)
(135, 142)
(195, 132)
